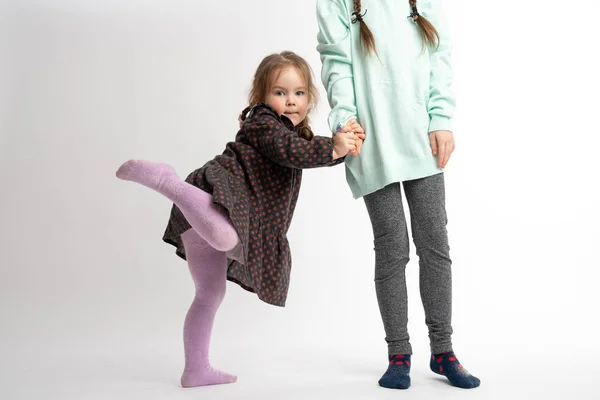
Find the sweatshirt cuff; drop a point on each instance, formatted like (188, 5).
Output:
(440, 123)
(337, 121)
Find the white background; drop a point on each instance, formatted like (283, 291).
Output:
(92, 301)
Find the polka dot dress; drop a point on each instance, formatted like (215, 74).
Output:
(257, 180)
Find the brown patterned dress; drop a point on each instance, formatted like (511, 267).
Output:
(257, 180)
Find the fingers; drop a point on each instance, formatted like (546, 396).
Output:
(442, 146)
(442, 154)
(449, 150)
(354, 136)
(355, 147)
(345, 128)
(351, 136)
(355, 127)
(434, 146)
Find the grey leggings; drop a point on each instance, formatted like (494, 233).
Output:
(426, 200)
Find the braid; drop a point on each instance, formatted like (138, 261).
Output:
(244, 113)
(304, 130)
(366, 36)
(429, 34)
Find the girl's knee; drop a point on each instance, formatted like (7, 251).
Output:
(225, 239)
(212, 297)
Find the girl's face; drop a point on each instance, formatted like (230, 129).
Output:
(289, 95)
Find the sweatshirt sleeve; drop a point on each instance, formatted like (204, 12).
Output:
(335, 49)
(442, 102)
(270, 137)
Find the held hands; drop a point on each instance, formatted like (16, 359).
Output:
(343, 143)
(442, 146)
(442, 142)
(353, 135)
(354, 127)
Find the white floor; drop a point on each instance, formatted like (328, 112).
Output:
(152, 372)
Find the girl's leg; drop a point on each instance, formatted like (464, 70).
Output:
(426, 200)
(208, 268)
(209, 220)
(391, 256)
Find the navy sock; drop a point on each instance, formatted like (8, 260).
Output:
(397, 374)
(447, 364)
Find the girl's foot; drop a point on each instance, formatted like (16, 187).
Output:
(447, 364)
(397, 375)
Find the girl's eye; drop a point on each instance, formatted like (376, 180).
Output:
(280, 93)
(300, 93)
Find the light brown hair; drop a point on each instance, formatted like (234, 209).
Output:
(265, 76)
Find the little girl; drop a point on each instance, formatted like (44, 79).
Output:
(230, 217)
(387, 64)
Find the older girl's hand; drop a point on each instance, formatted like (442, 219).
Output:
(442, 146)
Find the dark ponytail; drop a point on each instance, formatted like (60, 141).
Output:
(244, 113)
(429, 34)
(366, 36)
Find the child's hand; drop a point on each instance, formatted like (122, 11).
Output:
(354, 127)
(442, 146)
(344, 142)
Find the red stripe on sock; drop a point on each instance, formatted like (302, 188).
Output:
(452, 359)
(440, 359)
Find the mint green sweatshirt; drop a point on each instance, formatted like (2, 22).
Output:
(398, 98)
